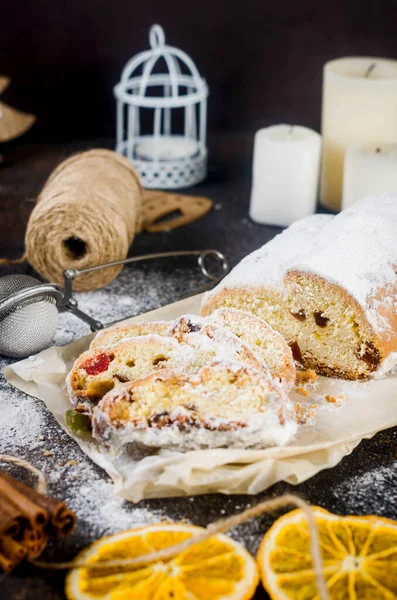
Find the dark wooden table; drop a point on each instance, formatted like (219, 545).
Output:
(364, 482)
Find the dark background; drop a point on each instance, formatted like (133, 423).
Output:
(263, 59)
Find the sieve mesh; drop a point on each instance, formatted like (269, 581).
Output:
(29, 327)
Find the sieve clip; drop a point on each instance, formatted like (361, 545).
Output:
(69, 303)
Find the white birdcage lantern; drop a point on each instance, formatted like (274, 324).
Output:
(162, 116)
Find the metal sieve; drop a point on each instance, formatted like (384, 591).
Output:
(29, 308)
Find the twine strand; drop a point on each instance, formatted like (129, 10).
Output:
(369, 70)
(13, 261)
(21, 462)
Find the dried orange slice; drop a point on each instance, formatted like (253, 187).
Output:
(219, 568)
(359, 556)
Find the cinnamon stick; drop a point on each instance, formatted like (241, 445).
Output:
(34, 541)
(17, 506)
(26, 520)
(11, 553)
(62, 519)
(59, 515)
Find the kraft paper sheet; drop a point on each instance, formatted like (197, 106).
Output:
(368, 408)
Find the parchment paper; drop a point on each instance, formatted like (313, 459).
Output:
(368, 407)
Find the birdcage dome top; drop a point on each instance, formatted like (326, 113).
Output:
(139, 78)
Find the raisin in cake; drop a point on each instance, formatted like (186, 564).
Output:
(329, 286)
(225, 404)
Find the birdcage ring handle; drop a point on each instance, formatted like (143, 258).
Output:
(156, 36)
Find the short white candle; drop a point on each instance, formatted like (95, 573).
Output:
(369, 170)
(285, 174)
(166, 147)
(359, 107)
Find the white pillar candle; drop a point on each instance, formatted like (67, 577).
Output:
(369, 170)
(359, 107)
(285, 174)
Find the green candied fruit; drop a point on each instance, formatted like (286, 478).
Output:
(77, 422)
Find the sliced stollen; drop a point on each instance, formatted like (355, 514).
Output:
(98, 370)
(225, 404)
(255, 332)
(256, 284)
(262, 338)
(329, 286)
(117, 333)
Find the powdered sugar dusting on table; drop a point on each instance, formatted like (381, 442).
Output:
(28, 430)
(377, 486)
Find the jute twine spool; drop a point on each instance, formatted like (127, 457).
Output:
(87, 213)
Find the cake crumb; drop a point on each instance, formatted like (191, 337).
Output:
(308, 376)
(334, 400)
(305, 413)
(302, 391)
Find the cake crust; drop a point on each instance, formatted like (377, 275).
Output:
(115, 334)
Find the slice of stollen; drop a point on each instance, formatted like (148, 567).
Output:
(261, 338)
(98, 370)
(225, 404)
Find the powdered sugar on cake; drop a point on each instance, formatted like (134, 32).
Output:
(357, 250)
(268, 264)
(208, 338)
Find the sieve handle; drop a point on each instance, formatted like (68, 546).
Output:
(71, 274)
(69, 303)
(73, 308)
